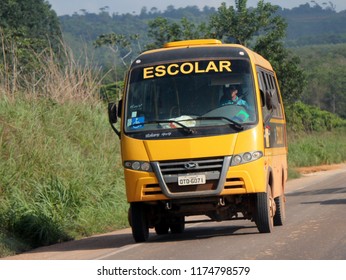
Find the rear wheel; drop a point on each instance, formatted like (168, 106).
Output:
(280, 213)
(265, 209)
(139, 222)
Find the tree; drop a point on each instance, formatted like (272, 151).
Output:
(31, 19)
(162, 31)
(260, 29)
(238, 24)
(117, 43)
(27, 27)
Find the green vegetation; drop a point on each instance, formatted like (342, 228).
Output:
(26, 28)
(317, 148)
(315, 137)
(302, 117)
(325, 68)
(60, 173)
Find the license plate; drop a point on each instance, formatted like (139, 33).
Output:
(191, 180)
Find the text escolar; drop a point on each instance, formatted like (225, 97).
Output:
(186, 68)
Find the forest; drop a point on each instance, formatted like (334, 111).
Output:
(307, 24)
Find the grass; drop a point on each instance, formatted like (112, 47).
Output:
(317, 148)
(60, 172)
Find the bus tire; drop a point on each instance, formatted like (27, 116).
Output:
(178, 225)
(280, 213)
(139, 223)
(265, 208)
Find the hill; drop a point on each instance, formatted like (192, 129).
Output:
(306, 24)
(314, 25)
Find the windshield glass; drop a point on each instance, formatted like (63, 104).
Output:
(198, 94)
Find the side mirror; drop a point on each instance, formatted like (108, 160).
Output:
(113, 114)
(120, 106)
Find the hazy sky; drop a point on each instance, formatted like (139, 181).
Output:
(63, 7)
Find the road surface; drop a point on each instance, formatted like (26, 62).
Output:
(315, 229)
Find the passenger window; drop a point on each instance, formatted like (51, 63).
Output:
(263, 87)
(276, 99)
(268, 85)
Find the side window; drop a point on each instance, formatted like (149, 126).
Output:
(260, 81)
(276, 98)
(264, 81)
(268, 85)
(263, 85)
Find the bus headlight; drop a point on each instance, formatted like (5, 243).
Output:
(237, 159)
(138, 165)
(246, 157)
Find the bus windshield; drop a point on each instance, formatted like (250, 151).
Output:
(196, 94)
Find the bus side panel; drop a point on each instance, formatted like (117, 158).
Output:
(276, 152)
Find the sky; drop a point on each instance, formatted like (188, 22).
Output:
(63, 7)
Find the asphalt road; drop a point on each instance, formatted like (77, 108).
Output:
(315, 229)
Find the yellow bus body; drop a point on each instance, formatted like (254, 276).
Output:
(245, 186)
(144, 187)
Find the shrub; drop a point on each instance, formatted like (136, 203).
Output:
(302, 117)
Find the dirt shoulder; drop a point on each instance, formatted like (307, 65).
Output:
(314, 169)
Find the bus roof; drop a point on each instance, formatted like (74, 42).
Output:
(196, 42)
(201, 48)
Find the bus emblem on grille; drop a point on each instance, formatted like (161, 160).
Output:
(191, 165)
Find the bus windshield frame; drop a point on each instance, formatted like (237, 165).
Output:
(190, 98)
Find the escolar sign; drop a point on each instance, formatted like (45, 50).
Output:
(186, 68)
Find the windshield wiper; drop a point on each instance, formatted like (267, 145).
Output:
(189, 130)
(233, 123)
(185, 128)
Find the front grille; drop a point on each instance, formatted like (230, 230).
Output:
(202, 165)
(214, 169)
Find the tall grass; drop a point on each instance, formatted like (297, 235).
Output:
(60, 172)
(317, 148)
(55, 75)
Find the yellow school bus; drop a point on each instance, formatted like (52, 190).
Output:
(202, 133)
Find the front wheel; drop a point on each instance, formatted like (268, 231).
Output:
(265, 209)
(139, 222)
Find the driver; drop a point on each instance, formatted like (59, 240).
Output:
(230, 97)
